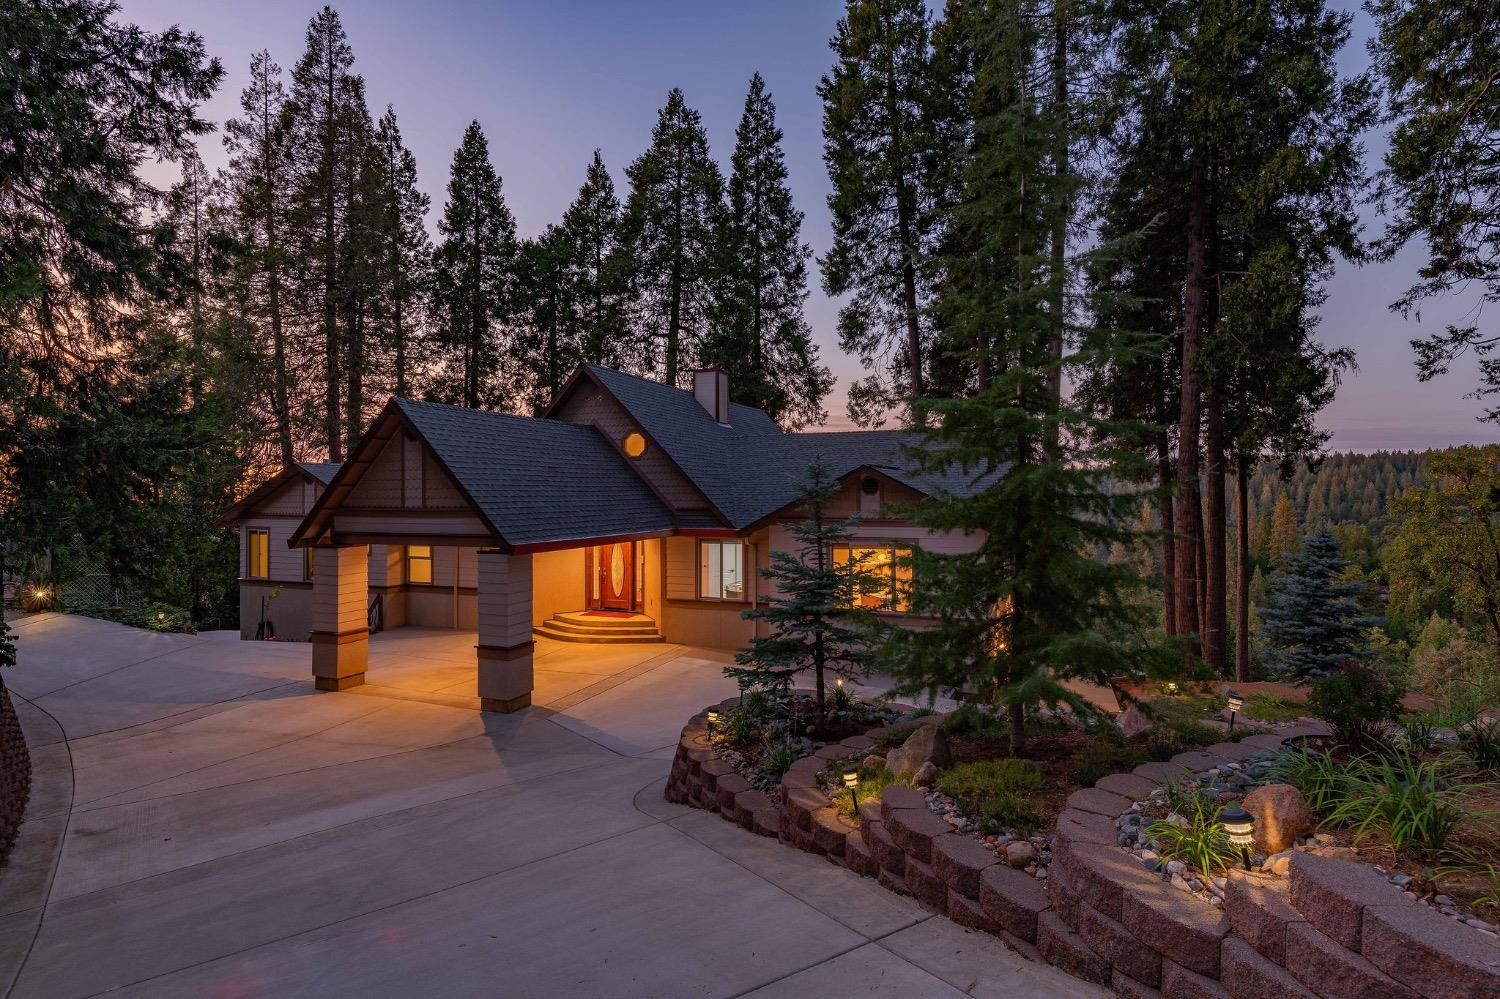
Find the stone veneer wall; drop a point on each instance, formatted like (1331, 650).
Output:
(15, 774)
(1332, 929)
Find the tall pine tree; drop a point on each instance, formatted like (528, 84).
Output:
(876, 144)
(405, 253)
(477, 262)
(1035, 603)
(759, 334)
(672, 218)
(595, 270)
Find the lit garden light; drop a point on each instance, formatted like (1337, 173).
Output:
(851, 781)
(1235, 702)
(1239, 826)
(713, 719)
(1172, 687)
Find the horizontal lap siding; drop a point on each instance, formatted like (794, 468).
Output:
(285, 564)
(682, 568)
(341, 589)
(504, 599)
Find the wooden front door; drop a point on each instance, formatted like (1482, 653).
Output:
(611, 577)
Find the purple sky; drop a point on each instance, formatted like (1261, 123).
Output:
(550, 81)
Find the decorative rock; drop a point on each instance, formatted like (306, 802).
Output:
(925, 775)
(1134, 721)
(1019, 853)
(873, 762)
(928, 744)
(1281, 815)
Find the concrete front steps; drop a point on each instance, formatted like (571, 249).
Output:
(598, 629)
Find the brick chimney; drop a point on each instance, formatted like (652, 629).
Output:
(711, 389)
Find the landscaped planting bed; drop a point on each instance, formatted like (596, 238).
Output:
(1330, 927)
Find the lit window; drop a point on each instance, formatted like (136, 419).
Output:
(258, 547)
(887, 562)
(721, 570)
(307, 564)
(635, 445)
(419, 563)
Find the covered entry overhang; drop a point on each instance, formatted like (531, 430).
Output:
(510, 490)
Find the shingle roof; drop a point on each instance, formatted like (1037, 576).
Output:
(323, 471)
(538, 480)
(750, 469)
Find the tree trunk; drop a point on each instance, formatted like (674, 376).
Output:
(1242, 571)
(1188, 506)
(1214, 637)
(279, 391)
(1168, 541)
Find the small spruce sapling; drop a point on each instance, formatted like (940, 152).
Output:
(816, 624)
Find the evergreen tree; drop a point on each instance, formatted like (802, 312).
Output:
(1034, 604)
(551, 346)
(406, 251)
(258, 192)
(876, 146)
(83, 268)
(816, 623)
(1311, 620)
(1286, 533)
(591, 227)
(759, 335)
(363, 276)
(476, 281)
(667, 238)
(326, 109)
(1442, 170)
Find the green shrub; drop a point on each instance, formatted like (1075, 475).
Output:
(1009, 811)
(1417, 733)
(1409, 801)
(986, 778)
(1102, 760)
(1200, 842)
(1166, 739)
(872, 785)
(1269, 708)
(1480, 742)
(1357, 702)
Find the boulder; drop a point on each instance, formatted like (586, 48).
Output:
(1134, 720)
(1281, 816)
(1019, 853)
(874, 761)
(928, 744)
(925, 775)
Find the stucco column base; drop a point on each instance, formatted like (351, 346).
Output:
(505, 677)
(339, 661)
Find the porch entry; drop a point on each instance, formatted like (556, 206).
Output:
(611, 573)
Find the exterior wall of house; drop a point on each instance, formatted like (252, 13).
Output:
(433, 605)
(688, 619)
(591, 407)
(556, 583)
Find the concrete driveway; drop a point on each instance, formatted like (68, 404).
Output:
(205, 824)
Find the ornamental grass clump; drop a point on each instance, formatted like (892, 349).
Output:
(1197, 837)
(1325, 781)
(1479, 742)
(1410, 802)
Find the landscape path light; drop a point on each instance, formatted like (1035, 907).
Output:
(851, 781)
(713, 719)
(1235, 702)
(1239, 826)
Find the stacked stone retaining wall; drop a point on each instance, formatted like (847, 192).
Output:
(1331, 929)
(15, 774)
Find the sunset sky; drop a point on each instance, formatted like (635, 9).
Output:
(550, 81)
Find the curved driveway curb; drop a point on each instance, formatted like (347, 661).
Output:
(26, 878)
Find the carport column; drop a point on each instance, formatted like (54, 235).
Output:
(340, 616)
(504, 649)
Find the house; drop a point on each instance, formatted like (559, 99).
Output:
(629, 511)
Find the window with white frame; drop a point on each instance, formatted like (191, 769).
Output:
(258, 553)
(721, 569)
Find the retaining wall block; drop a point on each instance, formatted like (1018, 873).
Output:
(1060, 946)
(1013, 899)
(1430, 952)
